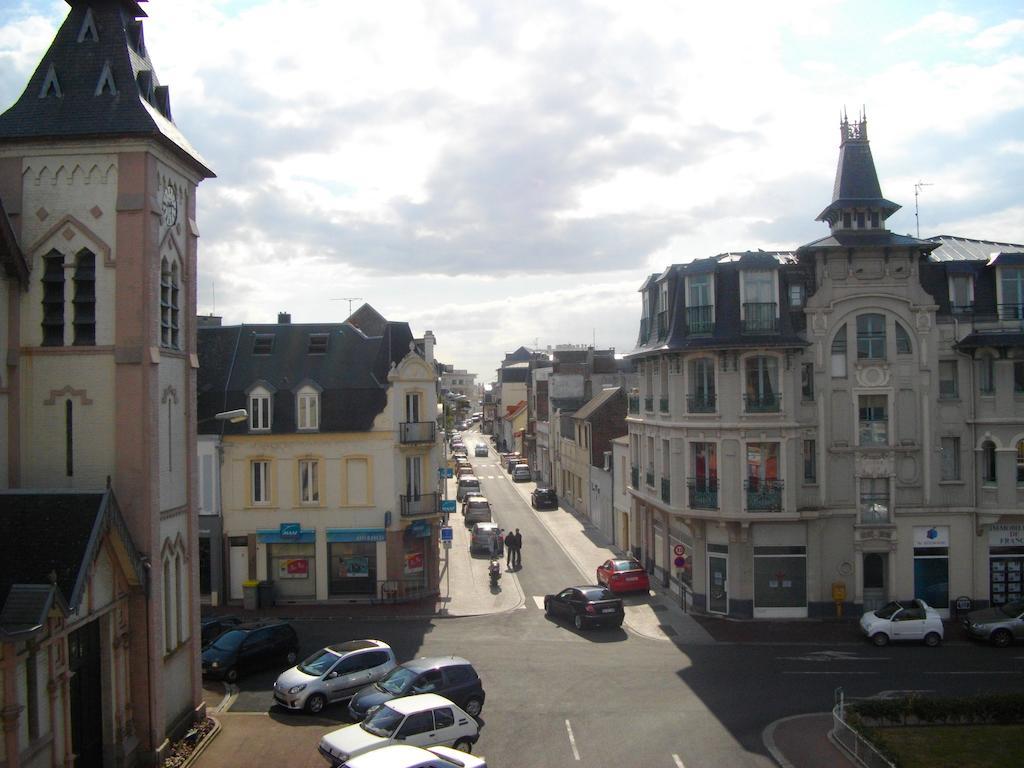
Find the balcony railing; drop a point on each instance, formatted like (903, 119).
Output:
(962, 309)
(663, 404)
(700, 320)
(662, 325)
(874, 509)
(634, 477)
(767, 402)
(1011, 311)
(763, 495)
(703, 492)
(704, 403)
(649, 478)
(634, 403)
(419, 505)
(760, 317)
(666, 490)
(417, 431)
(649, 404)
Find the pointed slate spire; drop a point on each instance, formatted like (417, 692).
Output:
(856, 190)
(96, 80)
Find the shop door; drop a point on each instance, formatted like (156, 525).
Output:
(718, 584)
(238, 569)
(86, 695)
(875, 593)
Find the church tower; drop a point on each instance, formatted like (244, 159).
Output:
(99, 187)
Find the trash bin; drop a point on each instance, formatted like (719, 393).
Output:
(266, 594)
(250, 596)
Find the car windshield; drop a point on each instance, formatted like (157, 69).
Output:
(1012, 610)
(398, 680)
(626, 565)
(229, 641)
(596, 593)
(319, 662)
(887, 611)
(383, 722)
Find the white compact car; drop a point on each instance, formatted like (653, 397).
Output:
(403, 756)
(903, 620)
(333, 673)
(424, 720)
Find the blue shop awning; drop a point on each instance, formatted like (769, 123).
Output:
(306, 536)
(356, 534)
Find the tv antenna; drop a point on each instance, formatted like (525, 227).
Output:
(349, 299)
(917, 191)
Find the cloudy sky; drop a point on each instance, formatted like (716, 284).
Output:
(507, 173)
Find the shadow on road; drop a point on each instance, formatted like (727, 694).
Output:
(595, 635)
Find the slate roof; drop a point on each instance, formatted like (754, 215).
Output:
(867, 239)
(351, 373)
(72, 108)
(856, 184)
(597, 402)
(50, 541)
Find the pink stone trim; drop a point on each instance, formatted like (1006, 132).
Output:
(101, 247)
(68, 390)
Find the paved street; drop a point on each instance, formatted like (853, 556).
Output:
(659, 692)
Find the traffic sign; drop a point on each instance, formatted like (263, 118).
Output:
(679, 550)
(680, 562)
(447, 506)
(444, 471)
(447, 533)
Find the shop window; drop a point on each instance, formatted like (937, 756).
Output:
(53, 300)
(931, 566)
(839, 353)
(871, 337)
(950, 453)
(780, 577)
(260, 481)
(986, 375)
(988, 462)
(353, 568)
(874, 420)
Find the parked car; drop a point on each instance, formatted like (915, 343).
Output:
(467, 484)
(521, 473)
(544, 498)
(903, 620)
(476, 509)
(511, 460)
(586, 606)
(480, 449)
(425, 720)
(465, 469)
(450, 676)
(486, 537)
(1000, 624)
(406, 756)
(623, 575)
(212, 626)
(332, 674)
(248, 647)
(459, 450)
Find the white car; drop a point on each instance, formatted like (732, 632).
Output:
(424, 720)
(333, 673)
(403, 756)
(903, 620)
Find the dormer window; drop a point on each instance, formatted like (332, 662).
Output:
(262, 343)
(1011, 293)
(318, 343)
(847, 220)
(308, 409)
(874, 220)
(860, 220)
(961, 294)
(260, 409)
(760, 305)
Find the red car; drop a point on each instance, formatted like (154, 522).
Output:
(623, 576)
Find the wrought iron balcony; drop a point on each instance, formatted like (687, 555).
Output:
(700, 320)
(962, 309)
(634, 404)
(874, 509)
(704, 403)
(419, 505)
(703, 492)
(663, 404)
(1011, 311)
(662, 325)
(649, 404)
(649, 478)
(760, 317)
(666, 490)
(763, 495)
(417, 432)
(767, 402)
(634, 477)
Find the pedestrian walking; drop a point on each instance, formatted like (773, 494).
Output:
(517, 553)
(510, 543)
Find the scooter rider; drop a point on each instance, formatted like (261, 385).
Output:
(494, 571)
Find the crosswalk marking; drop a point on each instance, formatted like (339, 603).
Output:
(539, 601)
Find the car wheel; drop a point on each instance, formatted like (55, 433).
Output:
(880, 639)
(315, 704)
(932, 639)
(577, 621)
(1001, 638)
(463, 745)
(231, 676)
(291, 657)
(473, 707)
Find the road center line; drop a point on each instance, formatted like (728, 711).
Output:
(572, 741)
(679, 763)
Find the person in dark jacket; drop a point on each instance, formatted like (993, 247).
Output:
(517, 552)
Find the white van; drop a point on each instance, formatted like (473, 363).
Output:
(467, 484)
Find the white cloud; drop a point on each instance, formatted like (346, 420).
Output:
(999, 36)
(938, 23)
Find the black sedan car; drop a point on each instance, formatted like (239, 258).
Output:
(586, 606)
(450, 676)
(544, 498)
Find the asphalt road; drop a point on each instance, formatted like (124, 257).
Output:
(556, 696)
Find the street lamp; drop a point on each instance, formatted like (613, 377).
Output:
(236, 416)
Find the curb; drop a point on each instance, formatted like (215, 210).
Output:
(202, 745)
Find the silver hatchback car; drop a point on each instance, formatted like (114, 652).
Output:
(332, 674)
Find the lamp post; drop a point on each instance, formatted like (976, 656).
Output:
(236, 416)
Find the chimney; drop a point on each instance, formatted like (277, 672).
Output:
(428, 346)
(284, 318)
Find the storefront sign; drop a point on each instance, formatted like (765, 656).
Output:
(931, 536)
(1006, 535)
(293, 569)
(356, 534)
(413, 562)
(291, 531)
(353, 566)
(419, 529)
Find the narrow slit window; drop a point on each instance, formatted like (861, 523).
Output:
(69, 439)
(85, 299)
(53, 301)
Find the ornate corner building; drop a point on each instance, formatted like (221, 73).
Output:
(837, 424)
(99, 620)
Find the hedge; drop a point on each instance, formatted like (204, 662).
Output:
(999, 709)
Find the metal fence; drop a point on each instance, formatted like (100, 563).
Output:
(860, 749)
